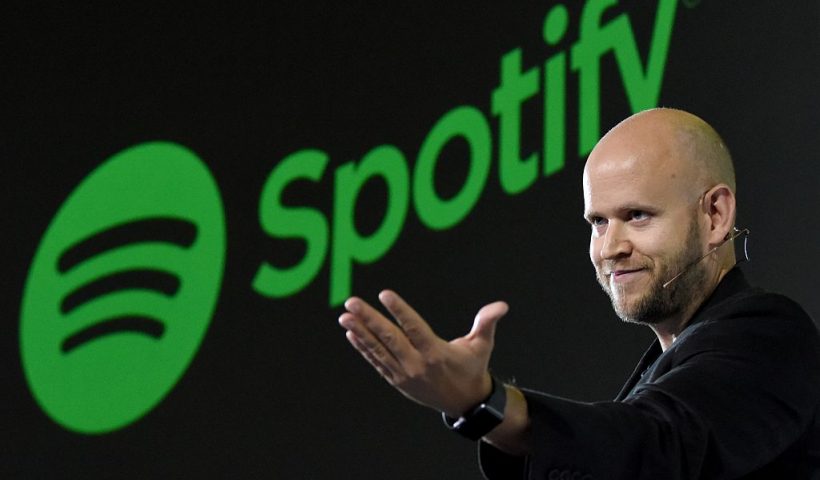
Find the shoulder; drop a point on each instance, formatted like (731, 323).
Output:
(754, 344)
(754, 309)
(756, 302)
(757, 325)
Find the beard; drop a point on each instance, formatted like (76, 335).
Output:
(657, 303)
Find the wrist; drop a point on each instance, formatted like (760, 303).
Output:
(484, 390)
(513, 435)
(483, 417)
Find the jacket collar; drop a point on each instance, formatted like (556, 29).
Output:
(731, 284)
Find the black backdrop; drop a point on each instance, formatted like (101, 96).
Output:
(275, 391)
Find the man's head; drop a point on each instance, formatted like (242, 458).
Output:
(659, 194)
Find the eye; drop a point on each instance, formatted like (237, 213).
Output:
(596, 221)
(638, 215)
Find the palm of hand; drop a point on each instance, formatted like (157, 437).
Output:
(447, 376)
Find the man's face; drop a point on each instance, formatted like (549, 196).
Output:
(645, 231)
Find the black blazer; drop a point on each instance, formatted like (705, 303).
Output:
(735, 396)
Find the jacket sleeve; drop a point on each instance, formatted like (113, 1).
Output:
(727, 399)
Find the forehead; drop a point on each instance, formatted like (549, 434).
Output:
(618, 177)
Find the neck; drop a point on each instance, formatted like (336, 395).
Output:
(668, 330)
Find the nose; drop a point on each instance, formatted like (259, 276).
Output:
(615, 242)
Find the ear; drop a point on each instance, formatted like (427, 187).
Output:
(719, 207)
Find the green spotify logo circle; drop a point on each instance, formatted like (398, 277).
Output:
(123, 287)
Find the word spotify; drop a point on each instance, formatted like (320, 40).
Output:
(123, 287)
(517, 172)
(125, 281)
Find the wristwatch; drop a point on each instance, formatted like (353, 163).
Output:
(481, 419)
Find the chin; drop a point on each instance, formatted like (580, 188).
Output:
(632, 313)
(633, 317)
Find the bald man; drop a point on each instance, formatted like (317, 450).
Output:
(729, 389)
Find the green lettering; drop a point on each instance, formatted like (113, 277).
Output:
(469, 123)
(555, 72)
(387, 162)
(299, 222)
(514, 89)
(642, 88)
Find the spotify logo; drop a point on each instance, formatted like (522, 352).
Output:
(123, 287)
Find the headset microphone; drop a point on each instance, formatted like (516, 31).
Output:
(729, 237)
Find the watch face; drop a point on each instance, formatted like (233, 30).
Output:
(493, 410)
(479, 422)
(486, 416)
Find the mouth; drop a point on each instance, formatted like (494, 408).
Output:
(624, 275)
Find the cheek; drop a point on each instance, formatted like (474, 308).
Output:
(655, 244)
(594, 250)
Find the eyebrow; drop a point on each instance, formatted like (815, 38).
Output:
(588, 215)
(629, 207)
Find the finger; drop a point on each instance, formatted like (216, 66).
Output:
(370, 341)
(381, 330)
(415, 328)
(371, 359)
(486, 321)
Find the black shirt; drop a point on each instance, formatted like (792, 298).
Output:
(735, 396)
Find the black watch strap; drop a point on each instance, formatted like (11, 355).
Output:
(481, 419)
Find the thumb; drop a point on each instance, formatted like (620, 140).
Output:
(486, 320)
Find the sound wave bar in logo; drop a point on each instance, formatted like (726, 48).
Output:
(122, 288)
(170, 230)
(158, 230)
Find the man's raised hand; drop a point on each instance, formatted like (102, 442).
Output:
(447, 376)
